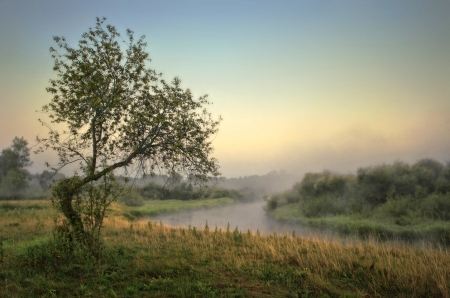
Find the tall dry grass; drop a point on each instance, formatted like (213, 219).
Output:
(192, 262)
(25, 220)
(366, 267)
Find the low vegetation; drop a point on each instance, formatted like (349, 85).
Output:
(154, 198)
(138, 195)
(145, 259)
(391, 201)
(150, 208)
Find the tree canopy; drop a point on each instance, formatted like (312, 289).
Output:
(13, 163)
(121, 114)
(119, 111)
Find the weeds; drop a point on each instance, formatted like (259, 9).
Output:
(2, 251)
(148, 259)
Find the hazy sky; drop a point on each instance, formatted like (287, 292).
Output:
(301, 85)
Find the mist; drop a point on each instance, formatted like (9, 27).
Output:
(241, 216)
(345, 149)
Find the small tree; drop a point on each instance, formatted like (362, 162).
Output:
(13, 163)
(119, 114)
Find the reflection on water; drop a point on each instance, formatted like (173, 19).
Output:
(245, 216)
(252, 216)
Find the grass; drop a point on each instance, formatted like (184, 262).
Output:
(145, 259)
(164, 206)
(386, 228)
(25, 220)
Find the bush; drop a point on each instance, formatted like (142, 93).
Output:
(375, 184)
(436, 206)
(224, 193)
(427, 172)
(307, 187)
(398, 207)
(132, 198)
(272, 203)
(151, 191)
(292, 197)
(317, 207)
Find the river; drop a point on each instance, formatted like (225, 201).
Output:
(244, 216)
(253, 217)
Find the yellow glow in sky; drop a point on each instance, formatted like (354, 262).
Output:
(302, 85)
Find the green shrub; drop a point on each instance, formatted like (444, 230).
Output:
(272, 203)
(307, 187)
(436, 206)
(151, 191)
(182, 191)
(374, 184)
(398, 207)
(224, 193)
(292, 197)
(394, 190)
(316, 207)
(132, 198)
(427, 171)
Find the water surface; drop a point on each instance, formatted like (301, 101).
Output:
(244, 216)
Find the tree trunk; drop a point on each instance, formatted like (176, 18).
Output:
(65, 193)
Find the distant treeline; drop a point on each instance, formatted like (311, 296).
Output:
(164, 187)
(274, 181)
(398, 189)
(16, 182)
(36, 186)
(136, 195)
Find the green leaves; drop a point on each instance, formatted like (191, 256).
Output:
(119, 114)
(13, 163)
(119, 110)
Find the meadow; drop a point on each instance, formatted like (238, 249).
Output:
(148, 259)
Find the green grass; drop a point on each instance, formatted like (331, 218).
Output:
(384, 227)
(164, 206)
(25, 220)
(145, 259)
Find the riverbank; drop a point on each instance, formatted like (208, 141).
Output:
(149, 259)
(385, 228)
(155, 207)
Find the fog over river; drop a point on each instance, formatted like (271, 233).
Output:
(244, 216)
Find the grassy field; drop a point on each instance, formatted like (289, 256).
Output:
(143, 259)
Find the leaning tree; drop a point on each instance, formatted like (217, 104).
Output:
(119, 114)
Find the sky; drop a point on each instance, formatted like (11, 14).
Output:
(301, 85)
